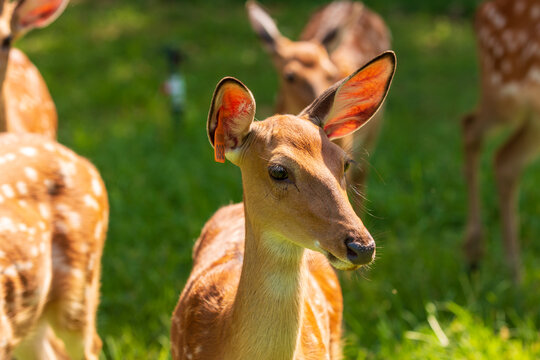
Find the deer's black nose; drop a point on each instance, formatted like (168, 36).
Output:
(359, 253)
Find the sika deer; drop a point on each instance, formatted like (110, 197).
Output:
(25, 101)
(261, 285)
(509, 50)
(338, 39)
(53, 220)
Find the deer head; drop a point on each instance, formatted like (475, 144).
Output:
(293, 175)
(305, 67)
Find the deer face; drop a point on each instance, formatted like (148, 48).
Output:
(305, 67)
(293, 175)
(305, 70)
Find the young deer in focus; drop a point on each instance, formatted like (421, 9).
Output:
(509, 50)
(53, 220)
(261, 285)
(338, 39)
(25, 102)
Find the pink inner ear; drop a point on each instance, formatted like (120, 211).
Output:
(40, 15)
(359, 98)
(236, 109)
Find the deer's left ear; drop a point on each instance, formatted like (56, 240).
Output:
(352, 102)
(31, 14)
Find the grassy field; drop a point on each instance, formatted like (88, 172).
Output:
(104, 64)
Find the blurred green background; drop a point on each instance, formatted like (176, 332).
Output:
(104, 64)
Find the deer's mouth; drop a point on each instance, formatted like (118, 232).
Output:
(335, 261)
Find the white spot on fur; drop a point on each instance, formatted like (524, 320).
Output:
(61, 226)
(21, 187)
(1, 199)
(31, 173)
(90, 201)
(96, 187)
(10, 271)
(7, 224)
(49, 184)
(48, 146)
(8, 191)
(519, 7)
(496, 78)
(510, 90)
(535, 12)
(24, 266)
(44, 210)
(98, 230)
(28, 151)
(10, 157)
(68, 169)
(534, 74)
(23, 203)
(34, 251)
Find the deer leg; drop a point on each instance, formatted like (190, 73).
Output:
(473, 134)
(511, 159)
(73, 317)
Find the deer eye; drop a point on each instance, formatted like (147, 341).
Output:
(347, 165)
(278, 172)
(6, 43)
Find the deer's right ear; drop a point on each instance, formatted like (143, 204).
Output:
(231, 113)
(352, 102)
(263, 25)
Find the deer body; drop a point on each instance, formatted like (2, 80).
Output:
(338, 39)
(262, 286)
(53, 220)
(508, 45)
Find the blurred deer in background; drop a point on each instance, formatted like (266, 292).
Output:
(262, 286)
(25, 102)
(338, 39)
(509, 50)
(53, 221)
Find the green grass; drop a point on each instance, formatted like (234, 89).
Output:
(104, 64)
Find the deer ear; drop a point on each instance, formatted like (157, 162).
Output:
(329, 23)
(263, 25)
(231, 113)
(352, 102)
(31, 14)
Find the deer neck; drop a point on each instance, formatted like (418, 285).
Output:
(267, 311)
(4, 57)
